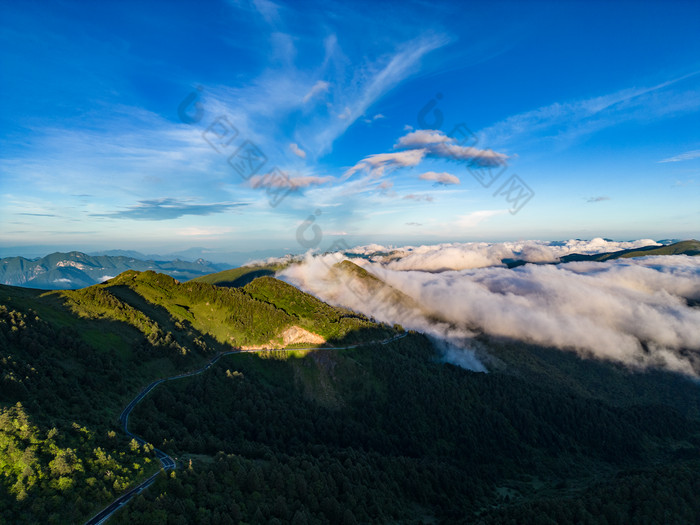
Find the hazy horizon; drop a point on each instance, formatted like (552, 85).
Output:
(239, 257)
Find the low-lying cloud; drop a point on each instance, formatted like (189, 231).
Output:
(630, 311)
(464, 256)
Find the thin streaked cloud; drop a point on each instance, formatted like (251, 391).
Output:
(688, 155)
(168, 208)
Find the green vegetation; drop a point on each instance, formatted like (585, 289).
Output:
(666, 494)
(388, 434)
(71, 360)
(237, 277)
(45, 470)
(348, 271)
(379, 433)
(253, 315)
(61, 454)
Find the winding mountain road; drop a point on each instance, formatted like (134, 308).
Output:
(167, 462)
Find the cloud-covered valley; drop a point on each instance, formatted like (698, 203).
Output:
(637, 312)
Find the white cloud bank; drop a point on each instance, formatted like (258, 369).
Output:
(464, 256)
(630, 311)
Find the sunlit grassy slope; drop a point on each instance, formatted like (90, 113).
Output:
(237, 277)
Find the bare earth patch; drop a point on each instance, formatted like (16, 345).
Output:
(290, 336)
(296, 334)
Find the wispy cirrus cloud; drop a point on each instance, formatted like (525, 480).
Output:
(124, 149)
(317, 89)
(267, 181)
(211, 231)
(474, 218)
(167, 209)
(566, 121)
(268, 10)
(680, 183)
(357, 89)
(419, 198)
(688, 155)
(262, 108)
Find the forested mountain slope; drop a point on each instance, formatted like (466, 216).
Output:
(71, 360)
(363, 431)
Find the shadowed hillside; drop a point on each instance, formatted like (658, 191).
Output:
(388, 434)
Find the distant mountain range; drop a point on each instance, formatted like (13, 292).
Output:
(690, 247)
(63, 271)
(230, 258)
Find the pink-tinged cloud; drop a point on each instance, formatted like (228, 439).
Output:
(439, 145)
(379, 163)
(421, 138)
(442, 178)
(297, 150)
(319, 87)
(284, 181)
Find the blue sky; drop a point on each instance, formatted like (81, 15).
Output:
(125, 124)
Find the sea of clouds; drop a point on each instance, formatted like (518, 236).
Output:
(463, 256)
(632, 311)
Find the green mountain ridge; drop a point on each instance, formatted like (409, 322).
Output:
(362, 431)
(237, 277)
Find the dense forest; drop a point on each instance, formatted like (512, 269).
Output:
(378, 433)
(388, 434)
(60, 457)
